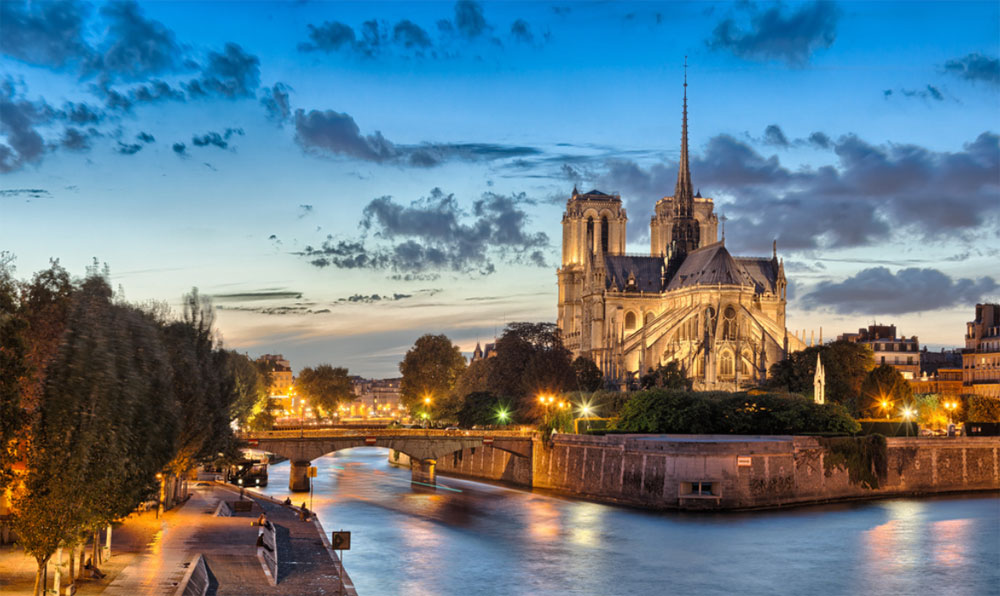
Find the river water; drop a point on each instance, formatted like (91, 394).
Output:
(475, 539)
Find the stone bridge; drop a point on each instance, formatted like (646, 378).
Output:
(424, 447)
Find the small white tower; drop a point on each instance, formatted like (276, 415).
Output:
(819, 382)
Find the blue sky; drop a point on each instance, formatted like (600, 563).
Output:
(344, 177)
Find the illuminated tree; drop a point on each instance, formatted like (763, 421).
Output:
(324, 387)
(430, 369)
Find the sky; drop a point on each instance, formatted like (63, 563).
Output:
(342, 178)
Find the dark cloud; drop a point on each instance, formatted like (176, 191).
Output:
(155, 91)
(305, 210)
(329, 37)
(410, 35)
(276, 310)
(975, 67)
(220, 140)
(773, 135)
(128, 148)
(145, 137)
(337, 133)
(879, 291)
(930, 92)
(30, 193)
(521, 31)
(820, 140)
(74, 140)
(276, 103)
(232, 74)
(372, 298)
(18, 120)
(135, 47)
(81, 113)
(469, 20)
(435, 234)
(265, 294)
(48, 34)
(179, 148)
(872, 193)
(773, 35)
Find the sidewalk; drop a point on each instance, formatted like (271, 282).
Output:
(151, 556)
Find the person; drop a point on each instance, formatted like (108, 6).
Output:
(288, 501)
(303, 512)
(94, 571)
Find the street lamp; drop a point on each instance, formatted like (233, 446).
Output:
(950, 406)
(885, 408)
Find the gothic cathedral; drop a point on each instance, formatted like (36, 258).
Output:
(721, 318)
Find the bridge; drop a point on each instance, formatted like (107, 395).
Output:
(423, 446)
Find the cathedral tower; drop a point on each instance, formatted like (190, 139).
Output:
(686, 233)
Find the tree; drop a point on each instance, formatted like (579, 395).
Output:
(530, 360)
(979, 408)
(325, 387)
(884, 384)
(482, 408)
(430, 370)
(667, 377)
(846, 363)
(588, 376)
(250, 390)
(14, 368)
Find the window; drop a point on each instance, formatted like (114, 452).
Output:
(604, 234)
(700, 488)
(630, 320)
(726, 365)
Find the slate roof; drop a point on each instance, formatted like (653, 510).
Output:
(647, 271)
(595, 195)
(763, 271)
(710, 265)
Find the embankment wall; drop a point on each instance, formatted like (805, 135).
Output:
(728, 472)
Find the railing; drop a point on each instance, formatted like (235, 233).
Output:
(324, 433)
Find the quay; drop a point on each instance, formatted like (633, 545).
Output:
(192, 550)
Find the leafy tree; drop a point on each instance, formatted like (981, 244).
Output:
(484, 409)
(588, 376)
(325, 387)
(979, 408)
(250, 390)
(531, 360)
(474, 378)
(430, 369)
(667, 377)
(846, 363)
(884, 383)
(14, 368)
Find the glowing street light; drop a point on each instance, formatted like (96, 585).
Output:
(908, 413)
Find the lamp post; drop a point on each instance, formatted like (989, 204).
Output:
(885, 408)
(427, 409)
(950, 406)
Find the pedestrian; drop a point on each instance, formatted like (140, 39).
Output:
(288, 501)
(303, 512)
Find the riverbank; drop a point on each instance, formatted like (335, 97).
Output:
(725, 472)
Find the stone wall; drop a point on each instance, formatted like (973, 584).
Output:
(727, 472)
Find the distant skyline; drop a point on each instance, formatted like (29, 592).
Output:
(342, 178)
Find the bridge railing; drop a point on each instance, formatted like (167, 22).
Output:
(332, 433)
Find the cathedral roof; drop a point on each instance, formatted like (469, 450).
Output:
(594, 195)
(710, 265)
(632, 273)
(763, 271)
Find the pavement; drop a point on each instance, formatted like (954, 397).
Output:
(150, 554)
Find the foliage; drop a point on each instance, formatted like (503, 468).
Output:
(846, 363)
(250, 391)
(430, 369)
(14, 368)
(475, 378)
(979, 408)
(530, 360)
(885, 383)
(483, 408)
(588, 376)
(667, 377)
(560, 421)
(865, 458)
(688, 412)
(324, 387)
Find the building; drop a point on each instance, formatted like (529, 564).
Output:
(281, 373)
(902, 353)
(481, 354)
(931, 362)
(981, 356)
(374, 398)
(722, 318)
(946, 382)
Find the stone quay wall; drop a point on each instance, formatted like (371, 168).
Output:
(727, 472)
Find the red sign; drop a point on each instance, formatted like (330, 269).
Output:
(487, 440)
(369, 440)
(253, 442)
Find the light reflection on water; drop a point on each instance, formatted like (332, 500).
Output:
(481, 539)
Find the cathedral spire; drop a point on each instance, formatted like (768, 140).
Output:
(683, 195)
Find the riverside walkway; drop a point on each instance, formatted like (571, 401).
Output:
(153, 556)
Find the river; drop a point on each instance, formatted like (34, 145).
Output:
(475, 539)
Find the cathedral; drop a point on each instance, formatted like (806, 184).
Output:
(721, 318)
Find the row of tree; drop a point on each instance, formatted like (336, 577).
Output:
(102, 398)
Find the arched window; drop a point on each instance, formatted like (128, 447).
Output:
(629, 321)
(745, 364)
(604, 234)
(726, 364)
(729, 323)
(590, 234)
(649, 318)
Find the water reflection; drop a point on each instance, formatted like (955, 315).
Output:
(483, 539)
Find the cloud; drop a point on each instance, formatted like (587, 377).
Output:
(48, 34)
(372, 298)
(179, 148)
(521, 31)
(305, 210)
(276, 103)
(435, 234)
(930, 92)
(820, 140)
(329, 37)
(773, 135)
(215, 139)
(975, 67)
(879, 291)
(30, 193)
(18, 119)
(469, 20)
(331, 132)
(145, 137)
(869, 194)
(265, 294)
(128, 148)
(232, 74)
(410, 35)
(135, 47)
(772, 35)
(74, 140)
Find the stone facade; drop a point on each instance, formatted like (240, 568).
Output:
(722, 319)
(981, 357)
